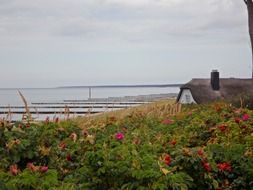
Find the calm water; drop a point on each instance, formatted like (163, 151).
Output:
(12, 98)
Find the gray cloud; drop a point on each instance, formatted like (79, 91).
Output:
(80, 31)
(142, 19)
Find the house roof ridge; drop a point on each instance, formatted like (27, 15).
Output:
(202, 91)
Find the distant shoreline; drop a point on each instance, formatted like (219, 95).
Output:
(100, 86)
(126, 86)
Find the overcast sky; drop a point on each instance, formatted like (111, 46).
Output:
(47, 43)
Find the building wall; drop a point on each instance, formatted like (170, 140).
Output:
(186, 97)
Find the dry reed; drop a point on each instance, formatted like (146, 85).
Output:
(161, 109)
(66, 112)
(28, 116)
(9, 115)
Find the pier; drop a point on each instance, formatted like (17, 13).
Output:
(67, 108)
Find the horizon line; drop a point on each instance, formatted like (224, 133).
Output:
(99, 86)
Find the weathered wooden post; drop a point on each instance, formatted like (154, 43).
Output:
(89, 93)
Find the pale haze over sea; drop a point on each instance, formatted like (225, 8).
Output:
(48, 43)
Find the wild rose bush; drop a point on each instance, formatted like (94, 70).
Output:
(204, 147)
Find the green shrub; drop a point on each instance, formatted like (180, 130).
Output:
(204, 147)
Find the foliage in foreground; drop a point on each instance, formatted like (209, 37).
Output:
(204, 147)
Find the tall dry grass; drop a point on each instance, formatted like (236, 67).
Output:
(161, 109)
(27, 116)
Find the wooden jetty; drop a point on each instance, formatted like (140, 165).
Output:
(77, 107)
(69, 106)
(51, 112)
(84, 102)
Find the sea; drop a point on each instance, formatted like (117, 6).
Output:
(11, 97)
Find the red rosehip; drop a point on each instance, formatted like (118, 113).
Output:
(243, 127)
(206, 166)
(222, 128)
(173, 142)
(68, 157)
(201, 152)
(167, 159)
(237, 120)
(224, 166)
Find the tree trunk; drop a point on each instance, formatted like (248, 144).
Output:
(251, 40)
(249, 4)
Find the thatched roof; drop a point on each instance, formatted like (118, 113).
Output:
(202, 91)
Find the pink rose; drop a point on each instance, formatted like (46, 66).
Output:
(14, 169)
(73, 136)
(32, 167)
(119, 136)
(43, 169)
(245, 117)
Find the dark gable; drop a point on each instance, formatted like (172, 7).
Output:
(202, 91)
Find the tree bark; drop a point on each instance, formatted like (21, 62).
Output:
(249, 4)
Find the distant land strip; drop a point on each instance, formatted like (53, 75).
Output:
(98, 86)
(126, 86)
